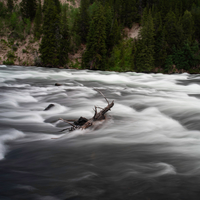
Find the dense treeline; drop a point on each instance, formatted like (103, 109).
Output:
(168, 39)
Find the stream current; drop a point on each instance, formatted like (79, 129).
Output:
(149, 149)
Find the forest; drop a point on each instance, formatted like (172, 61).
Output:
(168, 39)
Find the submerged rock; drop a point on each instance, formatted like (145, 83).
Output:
(58, 84)
(49, 107)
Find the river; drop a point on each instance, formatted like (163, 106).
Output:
(149, 149)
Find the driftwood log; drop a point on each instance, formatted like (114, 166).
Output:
(84, 123)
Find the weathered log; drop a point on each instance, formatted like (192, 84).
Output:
(84, 123)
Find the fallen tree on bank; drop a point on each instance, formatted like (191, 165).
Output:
(84, 123)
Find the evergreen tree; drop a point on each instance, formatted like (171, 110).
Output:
(145, 46)
(188, 25)
(58, 6)
(130, 13)
(84, 20)
(168, 63)
(45, 5)
(56, 2)
(49, 47)
(109, 21)
(10, 5)
(115, 35)
(196, 18)
(64, 42)
(144, 16)
(28, 8)
(38, 21)
(160, 42)
(173, 31)
(95, 54)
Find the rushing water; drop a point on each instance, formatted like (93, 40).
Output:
(148, 150)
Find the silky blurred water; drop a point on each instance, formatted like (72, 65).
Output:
(149, 149)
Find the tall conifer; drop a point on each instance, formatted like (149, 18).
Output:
(64, 41)
(28, 8)
(50, 40)
(38, 21)
(95, 55)
(84, 20)
(145, 46)
(10, 5)
(188, 25)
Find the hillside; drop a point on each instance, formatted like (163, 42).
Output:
(25, 52)
(121, 35)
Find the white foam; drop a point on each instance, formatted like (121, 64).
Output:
(6, 136)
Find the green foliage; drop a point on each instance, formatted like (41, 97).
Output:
(84, 20)
(28, 8)
(38, 21)
(10, 55)
(3, 10)
(10, 58)
(95, 54)
(196, 17)
(8, 62)
(50, 40)
(121, 57)
(10, 5)
(169, 32)
(13, 20)
(188, 26)
(28, 25)
(145, 46)
(168, 63)
(172, 36)
(24, 51)
(76, 65)
(186, 57)
(14, 48)
(73, 25)
(64, 41)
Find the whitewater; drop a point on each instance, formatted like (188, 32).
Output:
(149, 149)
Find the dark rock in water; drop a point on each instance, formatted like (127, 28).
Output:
(14, 35)
(81, 121)
(49, 107)
(58, 84)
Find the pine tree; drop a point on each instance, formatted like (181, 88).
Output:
(38, 21)
(58, 6)
(196, 17)
(28, 8)
(130, 13)
(115, 35)
(56, 2)
(10, 5)
(160, 42)
(64, 42)
(84, 20)
(109, 21)
(188, 25)
(171, 28)
(49, 47)
(95, 55)
(145, 46)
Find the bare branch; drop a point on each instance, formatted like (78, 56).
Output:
(102, 95)
(68, 122)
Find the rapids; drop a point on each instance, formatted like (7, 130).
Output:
(149, 149)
